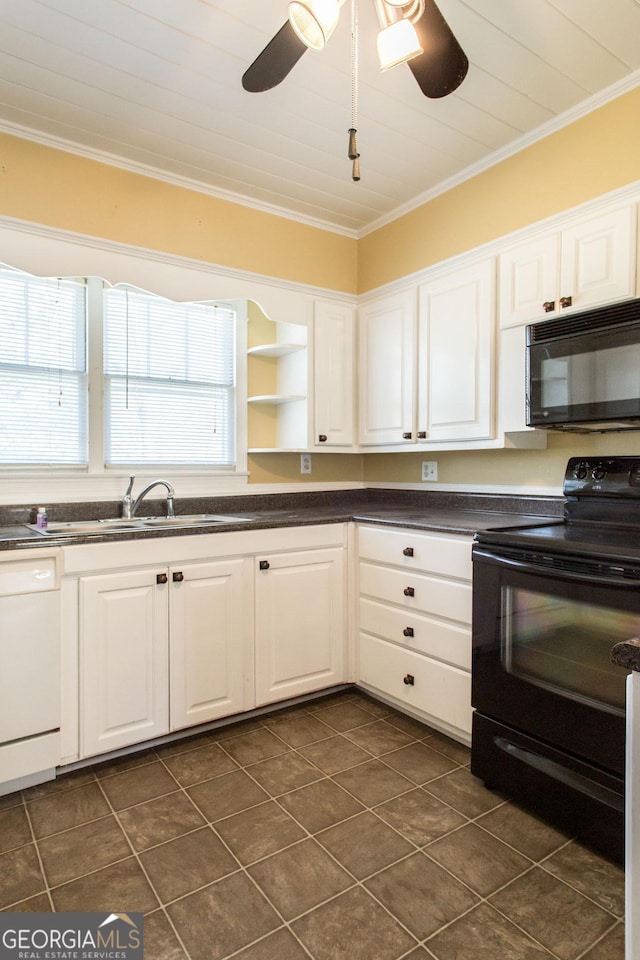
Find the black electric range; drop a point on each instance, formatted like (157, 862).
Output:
(551, 600)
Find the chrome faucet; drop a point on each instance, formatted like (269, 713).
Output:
(129, 505)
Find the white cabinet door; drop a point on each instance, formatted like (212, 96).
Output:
(387, 370)
(529, 276)
(210, 646)
(123, 659)
(590, 262)
(598, 259)
(300, 623)
(333, 374)
(456, 356)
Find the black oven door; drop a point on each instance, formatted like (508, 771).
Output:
(543, 629)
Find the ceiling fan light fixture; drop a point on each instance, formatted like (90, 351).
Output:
(314, 21)
(397, 43)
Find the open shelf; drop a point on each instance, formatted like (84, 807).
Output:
(275, 349)
(275, 399)
(277, 381)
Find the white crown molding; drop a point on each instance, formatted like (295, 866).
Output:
(164, 176)
(582, 109)
(146, 170)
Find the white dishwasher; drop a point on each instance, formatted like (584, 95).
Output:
(29, 667)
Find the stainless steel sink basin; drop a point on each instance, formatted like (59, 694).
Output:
(70, 528)
(193, 520)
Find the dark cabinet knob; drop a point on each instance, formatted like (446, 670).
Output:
(408, 631)
(566, 302)
(322, 438)
(161, 578)
(409, 592)
(178, 576)
(409, 680)
(422, 435)
(406, 436)
(264, 564)
(549, 306)
(408, 551)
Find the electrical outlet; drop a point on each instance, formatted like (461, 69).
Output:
(430, 470)
(305, 463)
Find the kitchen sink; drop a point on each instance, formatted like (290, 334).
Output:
(71, 528)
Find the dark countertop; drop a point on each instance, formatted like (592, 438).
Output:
(421, 510)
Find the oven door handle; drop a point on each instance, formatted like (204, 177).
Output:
(528, 566)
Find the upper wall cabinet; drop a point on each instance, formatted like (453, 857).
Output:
(456, 356)
(333, 374)
(387, 370)
(589, 262)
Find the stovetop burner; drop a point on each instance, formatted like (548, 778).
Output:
(601, 514)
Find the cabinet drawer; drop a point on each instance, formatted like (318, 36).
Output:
(447, 556)
(437, 689)
(435, 638)
(442, 598)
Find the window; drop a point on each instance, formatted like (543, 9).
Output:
(169, 380)
(43, 386)
(161, 387)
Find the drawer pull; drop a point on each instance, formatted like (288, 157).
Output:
(161, 578)
(408, 631)
(408, 551)
(406, 436)
(409, 592)
(178, 576)
(422, 435)
(322, 438)
(264, 564)
(409, 680)
(549, 306)
(566, 302)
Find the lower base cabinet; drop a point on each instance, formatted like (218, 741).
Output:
(123, 659)
(300, 623)
(210, 641)
(415, 623)
(184, 629)
(170, 646)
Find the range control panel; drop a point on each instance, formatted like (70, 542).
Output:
(603, 477)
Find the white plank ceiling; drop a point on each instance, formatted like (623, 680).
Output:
(156, 83)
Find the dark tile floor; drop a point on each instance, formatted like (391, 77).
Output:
(336, 829)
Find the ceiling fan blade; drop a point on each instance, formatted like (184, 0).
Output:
(443, 65)
(277, 59)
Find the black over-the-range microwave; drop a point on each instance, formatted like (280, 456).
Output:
(583, 370)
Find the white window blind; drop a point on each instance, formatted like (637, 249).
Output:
(169, 381)
(43, 386)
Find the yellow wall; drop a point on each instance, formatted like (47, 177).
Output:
(285, 468)
(592, 156)
(526, 468)
(61, 190)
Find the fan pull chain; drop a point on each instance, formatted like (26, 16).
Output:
(353, 146)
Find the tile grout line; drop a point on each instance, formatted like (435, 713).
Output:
(322, 776)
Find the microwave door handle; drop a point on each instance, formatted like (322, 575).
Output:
(527, 566)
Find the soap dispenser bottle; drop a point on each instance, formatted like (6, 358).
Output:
(41, 518)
